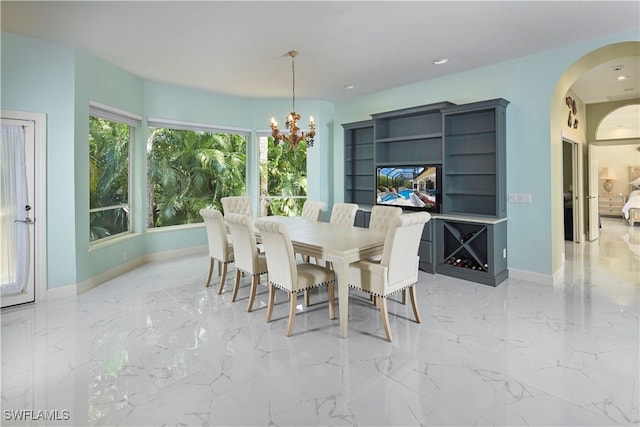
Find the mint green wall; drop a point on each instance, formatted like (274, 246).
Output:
(43, 77)
(39, 77)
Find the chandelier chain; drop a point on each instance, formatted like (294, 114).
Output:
(293, 72)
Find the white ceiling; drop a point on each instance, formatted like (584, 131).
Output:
(240, 47)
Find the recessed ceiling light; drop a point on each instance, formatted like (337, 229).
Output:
(349, 87)
(620, 78)
(440, 61)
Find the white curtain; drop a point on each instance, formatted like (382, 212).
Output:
(14, 236)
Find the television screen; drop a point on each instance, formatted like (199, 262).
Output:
(409, 187)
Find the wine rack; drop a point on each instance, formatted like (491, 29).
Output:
(464, 245)
(473, 251)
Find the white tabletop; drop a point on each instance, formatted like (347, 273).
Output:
(332, 242)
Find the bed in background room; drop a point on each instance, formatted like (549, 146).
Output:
(631, 209)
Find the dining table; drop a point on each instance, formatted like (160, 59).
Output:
(339, 244)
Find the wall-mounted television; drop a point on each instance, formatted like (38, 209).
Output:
(411, 187)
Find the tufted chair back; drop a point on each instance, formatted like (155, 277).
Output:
(381, 217)
(236, 205)
(400, 253)
(312, 210)
(343, 213)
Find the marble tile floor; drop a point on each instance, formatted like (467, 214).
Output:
(154, 347)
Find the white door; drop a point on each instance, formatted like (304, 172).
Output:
(23, 235)
(592, 194)
(17, 278)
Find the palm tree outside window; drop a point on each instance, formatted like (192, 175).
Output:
(108, 178)
(191, 169)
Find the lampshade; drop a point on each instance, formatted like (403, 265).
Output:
(608, 173)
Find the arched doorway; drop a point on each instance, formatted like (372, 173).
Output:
(565, 82)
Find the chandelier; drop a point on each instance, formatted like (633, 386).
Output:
(295, 135)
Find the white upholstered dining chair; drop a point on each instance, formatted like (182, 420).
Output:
(381, 217)
(312, 209)
(286, 274)
(236, 205)
(220, 249)
(248, 260)
(343, 213)
(398, 268)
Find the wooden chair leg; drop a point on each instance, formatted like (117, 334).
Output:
(332, 304)
(306, 298)
(293, 300)
(210, 273)
(272, 295)
(222, 269)
(414, 303)
(236, 285)
(385, 317)
(404, 296)
(252, 295)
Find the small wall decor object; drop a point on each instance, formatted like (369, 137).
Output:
(573, 111)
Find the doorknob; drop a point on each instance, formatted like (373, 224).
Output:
(25, 221)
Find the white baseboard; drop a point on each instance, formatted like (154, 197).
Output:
(63, 292)
(558, 276)
(163, 256)
(530, 276)
(112, 273)
(94, 281)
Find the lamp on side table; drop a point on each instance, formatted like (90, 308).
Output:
(608, 174)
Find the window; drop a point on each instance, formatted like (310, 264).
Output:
(110, 134)
(283, 178)
(190, 167)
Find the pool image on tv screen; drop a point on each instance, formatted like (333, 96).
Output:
(410, 187)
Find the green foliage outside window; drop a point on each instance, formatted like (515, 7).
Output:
(186, 171)
(108, 178)
(283, 178)
(190, 170)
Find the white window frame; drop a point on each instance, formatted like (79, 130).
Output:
(107, 112)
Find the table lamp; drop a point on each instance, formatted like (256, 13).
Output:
(608, 174)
